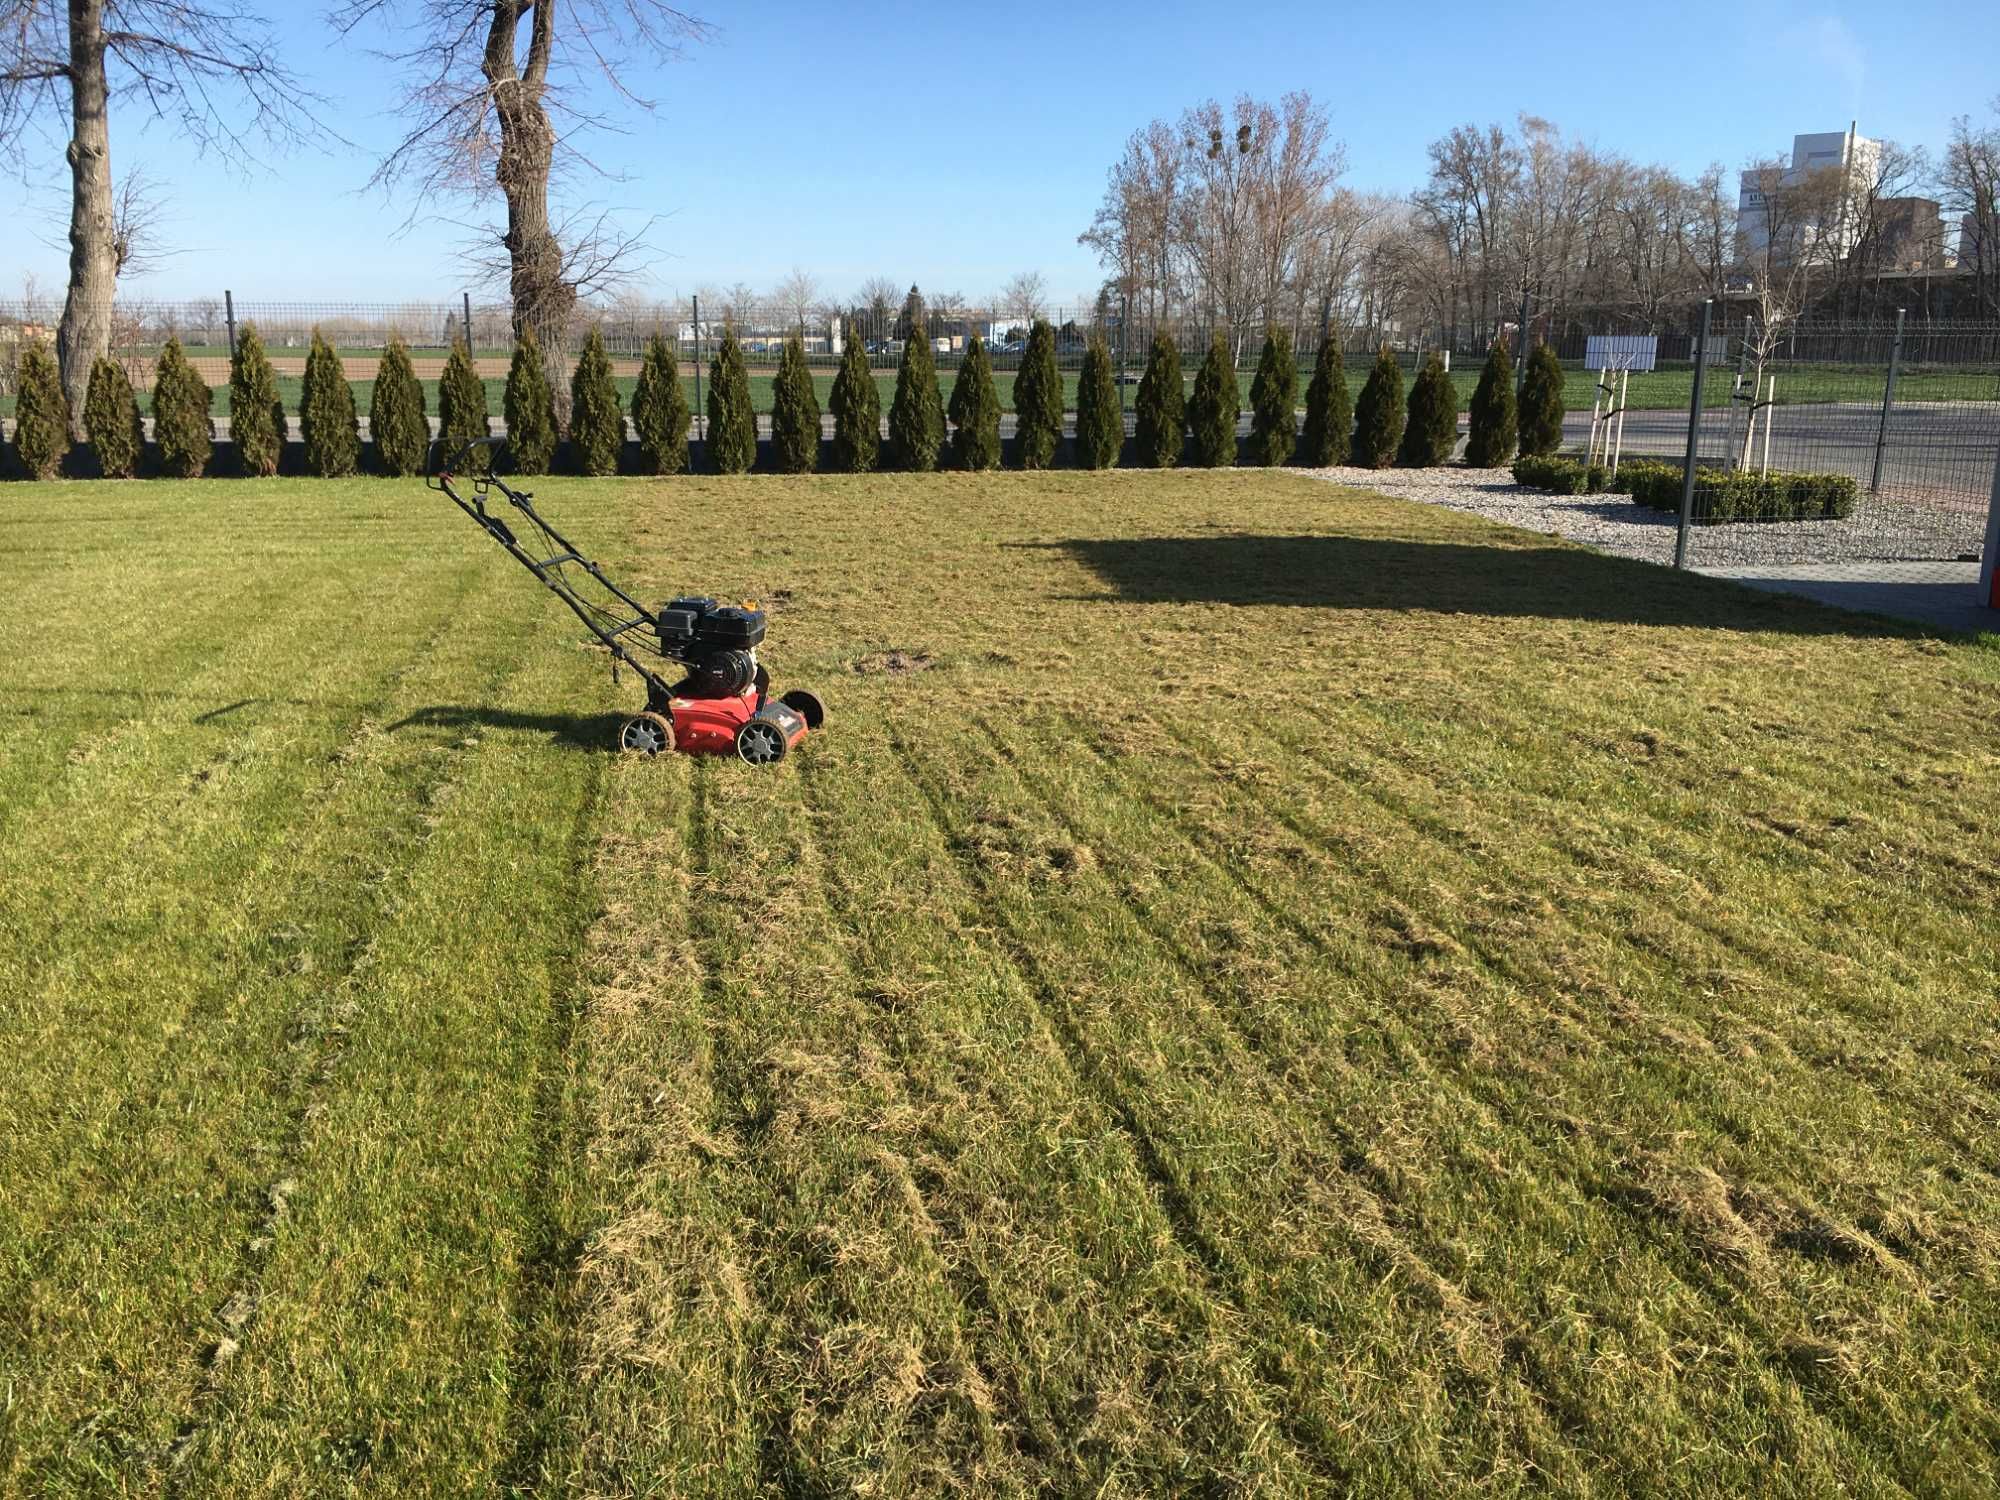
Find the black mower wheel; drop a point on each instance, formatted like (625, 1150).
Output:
(806, 705)
(760, 743)
(646, 734)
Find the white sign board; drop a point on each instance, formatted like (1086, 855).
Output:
(1621, 351)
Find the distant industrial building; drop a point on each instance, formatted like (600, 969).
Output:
(1840, 151)
(1909, 235)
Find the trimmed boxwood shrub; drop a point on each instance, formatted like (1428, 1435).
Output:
(596, 421)
(1378, 415)
(1541, 414)
(1491, 436)
(181, 427)
(530, 409)
(975, 411)
(856, 404)
(732, 424)
(1038, 400)
(1212, 411)
(111, 420)
(1432, 429)
(1100, 415)
(397, 424)
(916, 415)
(41, 414)
(660, 412)
(794, 412)
(1636, 474)
(1327, 437)
(1274, 396)
(256, 415)
(1561, 476)
(327, 421)
(1722, 496)
(1161, 409)
(462, 416)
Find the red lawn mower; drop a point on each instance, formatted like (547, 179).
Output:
(721, 704)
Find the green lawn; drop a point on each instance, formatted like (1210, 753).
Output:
(1282, 992)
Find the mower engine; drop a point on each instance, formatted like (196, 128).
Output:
(723, 702)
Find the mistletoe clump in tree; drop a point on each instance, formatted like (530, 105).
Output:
(41, 415)
(1274, 396)
(732, 425)
(111, 418)
(1432, 430)
(794, 412)
(397, 423)
(1161, 417)
(181, 427)
(1541, 417)
(916, 415)
(1328, 435)
(660, 411)
(1038, 400)
(856, 404)
(975, 411)
(1216, 405)
(462, 414)
(596, 423)
(1490, 442)
(1378, 415)
(529, 407)
(256, 415)
(1100, 415)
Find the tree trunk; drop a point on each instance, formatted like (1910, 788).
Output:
(544, 301)
(85, 331)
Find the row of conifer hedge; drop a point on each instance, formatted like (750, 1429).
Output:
(925, 429)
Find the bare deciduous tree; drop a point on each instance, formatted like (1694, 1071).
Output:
(798, 295)
(207, 70)
(1971, 182)
(495, 104)
(1026, 296)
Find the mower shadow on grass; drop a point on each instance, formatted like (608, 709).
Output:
(1387, 573)
(594, 732)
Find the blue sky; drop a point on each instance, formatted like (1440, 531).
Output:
(954, 145)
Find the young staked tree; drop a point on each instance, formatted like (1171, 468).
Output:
(256, 414)
(1378, 414)
(212, 73)
(1328, 435)
(462, 414)
(596, 422)
(1432, 429)
(1541, 418)
(41, 414)
(975, 411)
(856, 404)
(1490, 441)
(1214, 408)
(1100, 415)
(1038, 400)
(182, 430)
(1274, 397)
(501, 97)
(916, 415)
(111, 418)
(660, 411)
(530, 409)
(794, 412)
(1161, 410)
(398, 426)
(732, 425)
(327, 423)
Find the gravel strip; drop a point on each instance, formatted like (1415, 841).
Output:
(1881, 528)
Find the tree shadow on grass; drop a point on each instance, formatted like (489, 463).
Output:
(570, 731)
(1386, 573)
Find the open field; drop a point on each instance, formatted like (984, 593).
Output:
(1260, 989)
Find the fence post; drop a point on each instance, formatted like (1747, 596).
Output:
(700, 412)
(229, 317)
(1124, 318)
(1888, 401)
(1694, 437)
(467, 296)
(1521, 343)
(1989, 563)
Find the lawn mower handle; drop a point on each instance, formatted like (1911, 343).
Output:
(445, 471)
